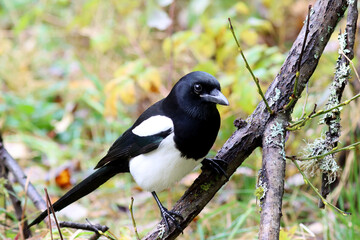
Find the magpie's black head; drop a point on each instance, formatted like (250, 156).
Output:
(197, 93)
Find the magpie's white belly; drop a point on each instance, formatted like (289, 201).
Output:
(162, 167)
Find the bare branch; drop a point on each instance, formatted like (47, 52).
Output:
(271, 177)
(351, 23)
(16, 170)
(342, 74)
(84, 226)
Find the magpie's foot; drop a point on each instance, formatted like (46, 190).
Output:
(216, 165)
(170, 215)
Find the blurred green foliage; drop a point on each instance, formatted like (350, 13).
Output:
(75, 74)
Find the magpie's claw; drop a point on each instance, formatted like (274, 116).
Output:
(217, 165)
(170, 215)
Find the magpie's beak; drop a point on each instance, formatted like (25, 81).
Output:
(215, 96)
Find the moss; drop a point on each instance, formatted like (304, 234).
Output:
(205, 186)
(259, 192)
(261, 189)
(326, 165)
(275, 98)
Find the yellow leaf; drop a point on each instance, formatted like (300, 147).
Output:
(203, 47)
(242, 8)
(129, 69)
(207, 66)
(287, 234)
(123, 88)
(127, 92)
(5, 46)
(178, 43)
(249, 37)
(110, 104)
(150, 80)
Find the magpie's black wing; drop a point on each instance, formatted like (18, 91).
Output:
(130, 145)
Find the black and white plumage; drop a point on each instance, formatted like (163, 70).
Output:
(165, 143)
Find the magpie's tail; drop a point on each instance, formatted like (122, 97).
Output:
(82, 189)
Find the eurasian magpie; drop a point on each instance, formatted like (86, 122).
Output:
(165, 143)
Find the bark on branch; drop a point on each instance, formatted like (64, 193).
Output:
(271, 177)
(19, 175)
(342, 74)
(326, 14)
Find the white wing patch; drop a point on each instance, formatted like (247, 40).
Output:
(159, 169)
(153, 125)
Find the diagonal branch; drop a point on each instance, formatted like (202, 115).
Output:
(19, 175)
(244, 140)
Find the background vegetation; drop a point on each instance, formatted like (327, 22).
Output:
(75, 74)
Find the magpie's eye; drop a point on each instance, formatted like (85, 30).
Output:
(197, 88)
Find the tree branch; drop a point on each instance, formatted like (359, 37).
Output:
(342, 74)
(84, 226)
(326, 14)
(18, 209)
(16, 170)
(271, 177)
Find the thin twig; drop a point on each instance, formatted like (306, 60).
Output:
(49, 216)
(23, 225)
(256, 80)
(294, 126)
(352, 64)
(53, 212)
(307, 181)
(294, 96)
(306, 99)
(133, 219)
(99, 231)
(83, 226)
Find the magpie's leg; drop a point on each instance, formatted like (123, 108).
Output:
(166, 214)
(217, 165)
